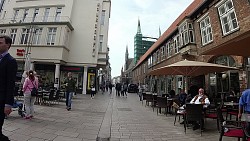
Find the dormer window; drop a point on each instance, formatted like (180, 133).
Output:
(186, 33)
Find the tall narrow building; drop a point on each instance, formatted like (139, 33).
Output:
(141, 43)
(60, 36)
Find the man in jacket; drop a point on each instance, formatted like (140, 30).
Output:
(8, 70)
(244, 107)
(70, 89)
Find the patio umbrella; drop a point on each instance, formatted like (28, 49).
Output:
(190, 68)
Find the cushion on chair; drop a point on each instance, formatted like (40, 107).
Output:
(234, 133)
(211, 115)
(233, 113)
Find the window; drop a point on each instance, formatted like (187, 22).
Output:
(51, 36)
(162, 52)
(13, 34)
(144, 68)
(25, 14)
(15, 14)
(25, 36)
(46, 15)
(176, 44)
(228, 18)
(58, 14)
(206, 31)
(186, 33)
(101, 42)
(2, 31)
(103, 17)
(35, 14)
(37, 36)
(169, 49)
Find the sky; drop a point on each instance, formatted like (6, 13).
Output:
(153, 14)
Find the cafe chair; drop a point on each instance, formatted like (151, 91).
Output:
(161, 103)
(177, 110)
(229, 128)
(194, 112)
(49, 98)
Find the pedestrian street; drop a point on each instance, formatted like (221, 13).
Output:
(106, 117)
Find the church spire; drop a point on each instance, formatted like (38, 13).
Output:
(139, 27)
(126, 54)
(159, 31)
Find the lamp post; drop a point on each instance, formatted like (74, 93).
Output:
(27, 64)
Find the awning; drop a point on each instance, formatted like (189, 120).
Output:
(239, 46)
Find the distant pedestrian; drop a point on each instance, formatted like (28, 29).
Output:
(70, 89)
(30, 82)
(7, 81)
(93, 91)
(125, 87)
(110, 88)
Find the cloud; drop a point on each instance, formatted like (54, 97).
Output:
(124, 20)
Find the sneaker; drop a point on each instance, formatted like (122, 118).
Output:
(68, 108)
(31, 116)
(27, 117)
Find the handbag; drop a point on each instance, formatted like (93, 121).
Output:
(34, 90)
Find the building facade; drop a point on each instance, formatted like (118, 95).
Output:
(60, 36)
(204, 25)
(141, 43)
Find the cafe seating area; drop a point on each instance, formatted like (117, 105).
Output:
(45, 96)
(221, 112)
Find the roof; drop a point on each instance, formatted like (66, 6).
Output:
(189, 10)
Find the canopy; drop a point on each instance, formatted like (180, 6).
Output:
(190, 68)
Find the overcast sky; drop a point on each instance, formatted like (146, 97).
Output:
(124, 20)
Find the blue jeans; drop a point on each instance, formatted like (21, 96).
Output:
(68, 99)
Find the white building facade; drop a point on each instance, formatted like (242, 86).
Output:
(61, 36)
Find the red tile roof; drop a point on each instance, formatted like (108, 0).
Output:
(192, 7)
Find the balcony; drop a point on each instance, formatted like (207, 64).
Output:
(63, 20)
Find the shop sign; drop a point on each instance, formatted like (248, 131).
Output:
(20, 52)
(213, 80)
(75, 69)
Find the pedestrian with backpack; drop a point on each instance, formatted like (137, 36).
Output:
(30, 84)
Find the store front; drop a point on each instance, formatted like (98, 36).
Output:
(91, 79)
(77, 74)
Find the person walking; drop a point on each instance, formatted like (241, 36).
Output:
(8, 72)
(110, 88)
(30, 82)
(92, 93)
(70, 84)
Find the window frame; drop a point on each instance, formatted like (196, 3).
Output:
(51, 36)
(205, 34)
(226, 14)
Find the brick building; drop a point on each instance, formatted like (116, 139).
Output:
(203, 32)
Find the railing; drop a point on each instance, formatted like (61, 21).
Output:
(39, 19)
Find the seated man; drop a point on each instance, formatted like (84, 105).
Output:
(201, 98)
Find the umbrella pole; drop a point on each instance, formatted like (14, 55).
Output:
(186, 84)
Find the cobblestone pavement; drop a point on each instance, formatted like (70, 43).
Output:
(106, 117)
